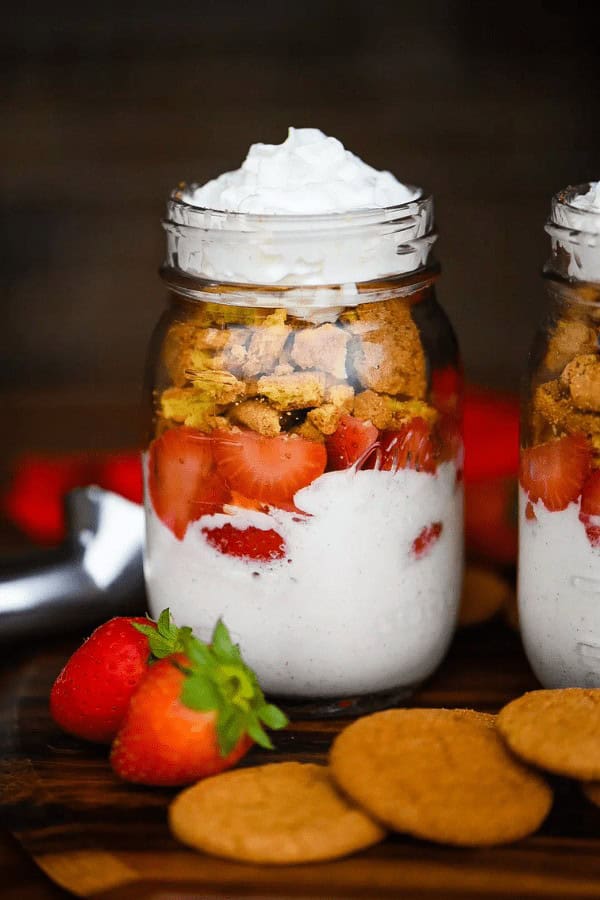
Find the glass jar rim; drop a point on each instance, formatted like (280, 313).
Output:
(182, 212)
(568, 220)
(302, 250)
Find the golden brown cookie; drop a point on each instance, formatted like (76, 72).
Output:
(484, 594)
(591, 789)
(557, 730)
(439, 774)
(281, 813)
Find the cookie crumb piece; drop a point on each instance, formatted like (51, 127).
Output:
(191, 407)
(570, 337)
(257, 415)
(581, 377)
(323, 347)
(264, 350)
(300, 390)
(326, 418)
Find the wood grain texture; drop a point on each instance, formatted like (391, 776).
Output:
(98, 837)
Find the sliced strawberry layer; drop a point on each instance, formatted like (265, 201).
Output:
(183, 479)
(449, 438)
(410, 447)
(554, 472)
(590, 495)
(247, 543)
(267, 469)
(349, 442)
(426, 538)
(589, 513)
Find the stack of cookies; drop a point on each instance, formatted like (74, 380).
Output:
(455, 777)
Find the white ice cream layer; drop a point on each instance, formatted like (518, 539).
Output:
(559, 597)
(350, 610)
(309, 173)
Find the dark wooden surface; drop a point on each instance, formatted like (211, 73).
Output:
(104, 838)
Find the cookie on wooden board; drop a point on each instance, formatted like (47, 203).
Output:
(591, 789)
(557, 730)
(484, 594)
(281, 813)
(440, 774)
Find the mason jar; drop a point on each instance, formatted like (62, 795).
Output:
(559, 506)
(303, 474)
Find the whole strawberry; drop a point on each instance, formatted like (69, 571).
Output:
(91, 695)
(193, 714)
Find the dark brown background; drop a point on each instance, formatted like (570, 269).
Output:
(492, 106)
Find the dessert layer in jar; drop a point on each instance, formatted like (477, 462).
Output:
(559, 517)
(304, 484)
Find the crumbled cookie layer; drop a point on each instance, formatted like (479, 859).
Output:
(555, 407)
(387, 412)
(188, 406)
(257, 415)
(321, 348)
(386, 351)
(581, 377)
(300, 390)
(569, 338)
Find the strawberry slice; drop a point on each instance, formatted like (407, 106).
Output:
(183, 479)
(589, 513)
(554, 472)
(350, 440)
(426, 538)
(247, 543)
(412, 446)
(267, 469)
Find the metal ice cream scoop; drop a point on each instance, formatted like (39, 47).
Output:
(96, 574)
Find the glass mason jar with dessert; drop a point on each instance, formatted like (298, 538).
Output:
(559, 518)
(303, 471)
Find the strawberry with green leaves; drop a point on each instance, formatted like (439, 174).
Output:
(193, 714)
(90, 696)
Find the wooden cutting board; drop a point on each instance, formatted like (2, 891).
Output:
(98, 837)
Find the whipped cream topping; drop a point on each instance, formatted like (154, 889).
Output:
(304, 212)
(309, 173)
(575, 230)
(589, 201)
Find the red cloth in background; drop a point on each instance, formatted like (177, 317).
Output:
(34, 501)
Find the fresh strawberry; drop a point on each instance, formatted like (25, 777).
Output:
(412, 446)
(193, 715)
(267, 469)
(247, 543)
(91, 694)
(426, 538)
(554, 472)
(183, 479)
(589, 513)
(349, 442)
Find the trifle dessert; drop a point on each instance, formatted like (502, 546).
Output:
(303, 472)
(559, 519)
